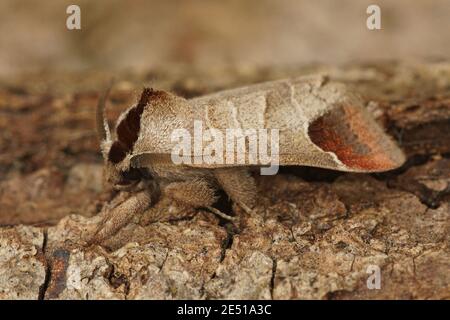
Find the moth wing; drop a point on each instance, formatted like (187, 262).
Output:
(320, 124)
(148, 159)
(350, 133)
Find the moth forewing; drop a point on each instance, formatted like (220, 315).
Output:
(319, 123)
(304, 121)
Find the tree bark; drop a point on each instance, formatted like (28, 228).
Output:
(315, 234)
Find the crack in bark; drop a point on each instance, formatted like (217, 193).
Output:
(228, 242)
(48, 267)
(272, 279)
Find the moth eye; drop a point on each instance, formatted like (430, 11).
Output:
(129, 177)
(132, 174)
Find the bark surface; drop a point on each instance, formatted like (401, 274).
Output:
(314, 234)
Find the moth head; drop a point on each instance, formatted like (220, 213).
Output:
(118, 146)
(117, 170)
(121, 178)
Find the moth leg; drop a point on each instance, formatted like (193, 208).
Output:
(195, 194)
(239, 186)
(120, 216)
(219, 213)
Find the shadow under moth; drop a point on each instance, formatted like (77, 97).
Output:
(320, 123)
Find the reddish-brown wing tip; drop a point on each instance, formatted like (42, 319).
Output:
(356, 139)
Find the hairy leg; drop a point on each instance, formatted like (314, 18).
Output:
(195, 193)
(188, 195)
(239, 186)
(120, 216)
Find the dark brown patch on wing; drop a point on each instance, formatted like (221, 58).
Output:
(355, 139)
(117, 152)
(128, 129)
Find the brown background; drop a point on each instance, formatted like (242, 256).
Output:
(139, 34)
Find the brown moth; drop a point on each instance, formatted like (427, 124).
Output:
(320, 123)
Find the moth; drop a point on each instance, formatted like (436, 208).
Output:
(320, 123)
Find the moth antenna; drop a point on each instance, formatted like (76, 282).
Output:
(103, 130)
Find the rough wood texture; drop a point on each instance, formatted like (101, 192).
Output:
(314, 234)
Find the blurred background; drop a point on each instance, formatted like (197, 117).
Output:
(135, 35)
